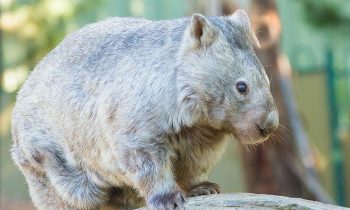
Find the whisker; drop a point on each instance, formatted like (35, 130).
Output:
(280, 137)
(275, 139)
(283, 126)
(284, 134)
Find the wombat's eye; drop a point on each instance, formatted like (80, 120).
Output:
(241, 87)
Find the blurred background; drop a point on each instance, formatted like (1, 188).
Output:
(305, 48)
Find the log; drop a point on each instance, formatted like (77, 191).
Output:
(253, 201)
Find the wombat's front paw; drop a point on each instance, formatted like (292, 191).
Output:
(167, 201)
(204, 188)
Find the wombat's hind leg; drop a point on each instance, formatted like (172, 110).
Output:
(43, 195)
(76, 187)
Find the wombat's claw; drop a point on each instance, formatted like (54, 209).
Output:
(204, 188)
(169, 201)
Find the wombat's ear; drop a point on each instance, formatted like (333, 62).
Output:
(241, 18)
(200, 32)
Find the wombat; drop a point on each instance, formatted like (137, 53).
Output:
(130, 112)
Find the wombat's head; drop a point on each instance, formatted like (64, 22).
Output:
(221, 82)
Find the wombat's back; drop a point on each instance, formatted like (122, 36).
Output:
(104, 52)
(102, 46)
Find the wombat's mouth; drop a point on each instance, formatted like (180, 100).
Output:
(250, 136)
(253, 128)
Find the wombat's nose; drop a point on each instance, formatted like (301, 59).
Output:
(269, 123)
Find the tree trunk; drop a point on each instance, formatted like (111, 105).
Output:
(268, 167)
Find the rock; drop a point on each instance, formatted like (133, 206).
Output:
(253, 201)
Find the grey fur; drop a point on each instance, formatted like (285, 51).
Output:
(129, 108)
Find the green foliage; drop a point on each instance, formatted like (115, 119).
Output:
(322, 13)
(33, 27)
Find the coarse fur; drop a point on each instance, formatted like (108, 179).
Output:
(128, 111)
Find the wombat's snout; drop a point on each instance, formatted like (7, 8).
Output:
(269, 123)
